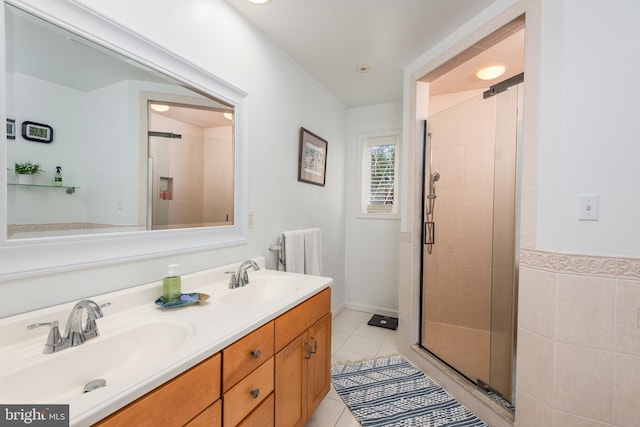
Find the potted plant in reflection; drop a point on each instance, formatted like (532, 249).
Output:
(25, 171)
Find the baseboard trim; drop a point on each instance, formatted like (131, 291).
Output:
(371, 309)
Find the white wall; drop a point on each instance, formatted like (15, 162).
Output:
(589, 126)
(66, 116)
(371, 244)
(283, 97)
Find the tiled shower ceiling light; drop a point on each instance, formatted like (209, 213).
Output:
(490, 73)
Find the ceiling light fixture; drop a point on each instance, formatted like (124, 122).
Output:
(364, 68)
(259, 1)
(160, 107)
(490, 73)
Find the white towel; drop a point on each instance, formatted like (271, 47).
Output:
(293, 252)
(312, 251)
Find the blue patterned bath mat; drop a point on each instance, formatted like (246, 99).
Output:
(392, 392)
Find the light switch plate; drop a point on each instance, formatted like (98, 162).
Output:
(589, 207)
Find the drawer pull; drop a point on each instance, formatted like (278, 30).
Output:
(256, 353)
(255, 393)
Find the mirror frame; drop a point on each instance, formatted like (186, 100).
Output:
(36, 256)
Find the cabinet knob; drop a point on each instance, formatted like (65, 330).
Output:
(255, 393)
(256, 353)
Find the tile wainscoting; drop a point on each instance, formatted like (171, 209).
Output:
(578, 340)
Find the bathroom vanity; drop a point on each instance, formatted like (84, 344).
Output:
(258, 355)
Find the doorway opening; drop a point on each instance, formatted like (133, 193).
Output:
(470, 211)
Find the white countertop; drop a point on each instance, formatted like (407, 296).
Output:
(212, 326)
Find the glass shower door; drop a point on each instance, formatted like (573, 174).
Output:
(468, 280)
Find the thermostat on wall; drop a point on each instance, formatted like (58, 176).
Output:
(37, 132)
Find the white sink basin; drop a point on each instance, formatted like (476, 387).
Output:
(117, 353)
(261, 289)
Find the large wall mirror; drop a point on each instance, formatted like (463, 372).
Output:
(139, 151)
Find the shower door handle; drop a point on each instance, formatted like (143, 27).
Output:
(429, 233)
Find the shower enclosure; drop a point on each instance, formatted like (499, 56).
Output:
(190, 167)
(469, 265)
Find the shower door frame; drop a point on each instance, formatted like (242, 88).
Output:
(427, 170)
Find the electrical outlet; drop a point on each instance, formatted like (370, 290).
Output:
(252, 219)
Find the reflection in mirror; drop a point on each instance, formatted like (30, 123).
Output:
(191, 165)
(119, 172)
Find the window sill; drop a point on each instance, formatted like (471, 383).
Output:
(385, 215)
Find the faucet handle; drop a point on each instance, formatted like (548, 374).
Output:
(91, 327)
(54, 340)
(233, 282)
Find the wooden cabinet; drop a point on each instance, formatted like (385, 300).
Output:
(246, 354)
(175, 402)
(275, 376)
(245, 396)
(302, 365)
(247, 377)
(319, 363)
(210, 417)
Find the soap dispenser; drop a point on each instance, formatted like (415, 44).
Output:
(57, 179)
(171, 286)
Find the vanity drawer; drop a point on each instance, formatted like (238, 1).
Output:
(300, 318)
(246, 354)
(210, 417)
(248, 394)
(175, 402)
(262, 416)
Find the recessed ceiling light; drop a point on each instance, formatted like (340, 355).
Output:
(363, 68)
(160, 107)
(259, 1)
(490, 73)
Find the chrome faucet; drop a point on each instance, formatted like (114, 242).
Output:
(241, 278)
(75, 334)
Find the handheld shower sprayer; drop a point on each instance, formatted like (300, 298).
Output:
(435, 177)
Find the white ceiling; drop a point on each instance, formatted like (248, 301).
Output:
(331, 38)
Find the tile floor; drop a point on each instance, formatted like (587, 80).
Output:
(352, 339)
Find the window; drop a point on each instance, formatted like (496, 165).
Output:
(379, 184)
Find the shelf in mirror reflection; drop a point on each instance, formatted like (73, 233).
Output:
(69, 189)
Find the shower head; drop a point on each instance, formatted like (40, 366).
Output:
(435, 176)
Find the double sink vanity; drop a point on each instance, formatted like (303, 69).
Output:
(256, 355)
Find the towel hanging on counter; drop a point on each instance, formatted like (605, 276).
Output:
(302, 251)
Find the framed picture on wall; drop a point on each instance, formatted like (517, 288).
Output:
(312, 166)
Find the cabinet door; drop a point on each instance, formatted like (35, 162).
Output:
(291, 384)
(319, 364)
